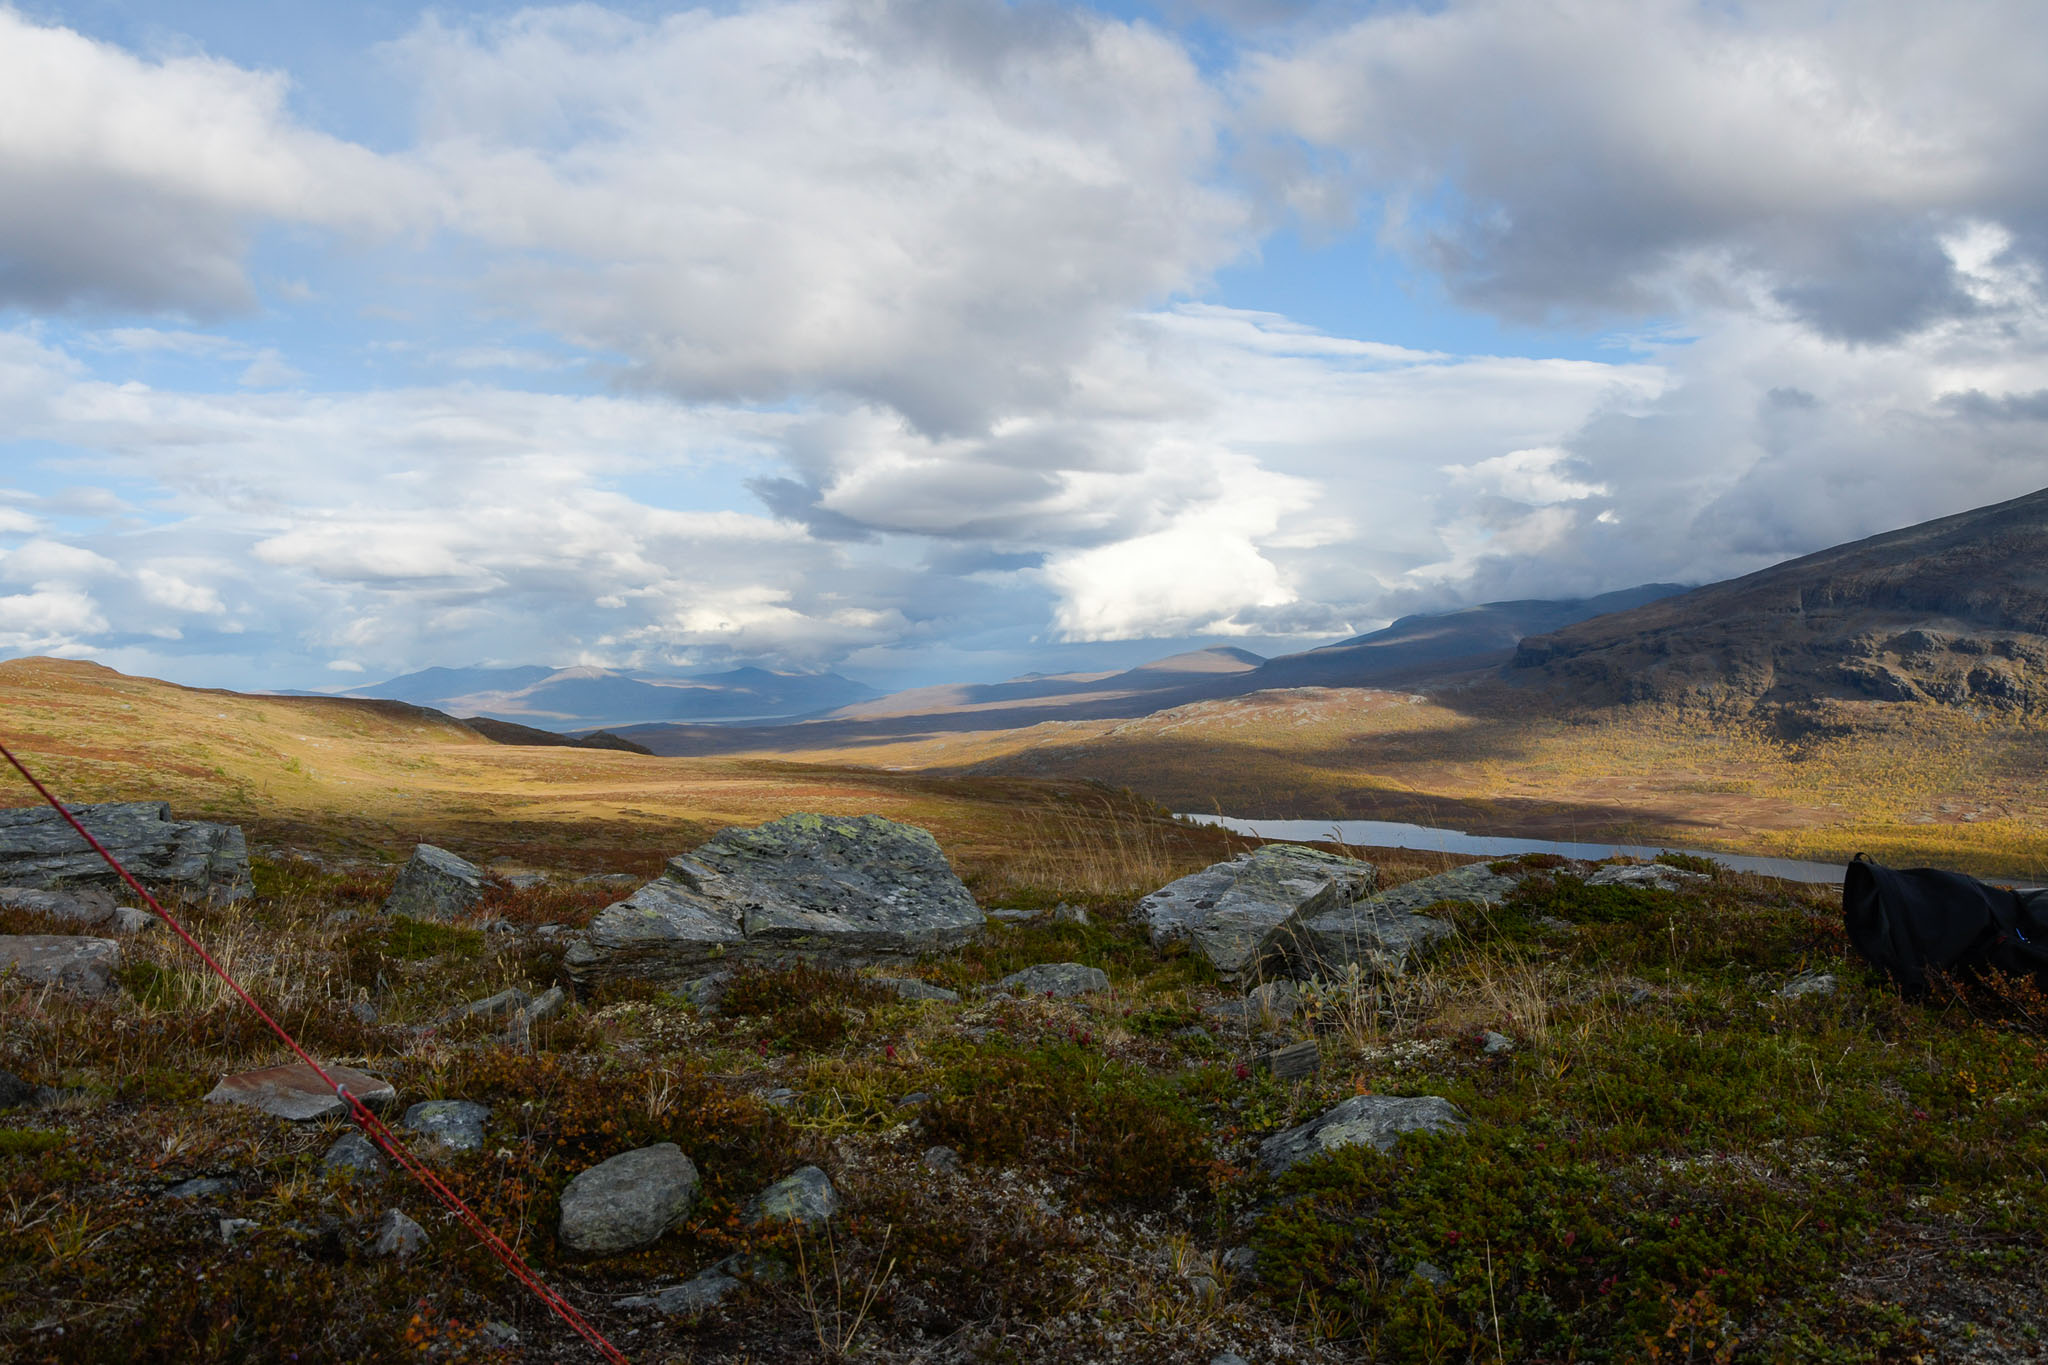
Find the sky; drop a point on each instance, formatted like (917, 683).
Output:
(943, 340)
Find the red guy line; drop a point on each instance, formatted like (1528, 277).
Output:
(389, 1142)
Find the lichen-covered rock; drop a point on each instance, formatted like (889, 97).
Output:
(81, 966)
(841, 890)
(1060, 980)
(804, 1197)
(1376, 1119)
(457, 1125)
(911, 988)
(398, 1236)
(295, 1091)
(1385, 932)
(435, 884)
(1648, 876)
(627, 1202)
(354, 1158)
(1238, 914)
(39, 849)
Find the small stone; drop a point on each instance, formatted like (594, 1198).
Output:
(1808, 983)
(551, 931)
(499, 1334)
(1061, 980)
(524, 881)
(910, 988)
(505, 1002)
(1431, 1274)
(629, 1201)
(1292, 1062)
(399, 1236)
(1240, 1260)
(1013, 916)
(1070, 914)
(1493, 1044)
(233, 1228)
(200, 1187)
(1196, 1036)
(1274, 1001)
(353, 1158)
(804, 1197)
(1554, 924)
(779, 1098)
(295, 1092)
(338, 918)
(688, 1299)
(457, 1125)
(915, 1097)
(1228, 1358)
(82, 966)
(547, 1004)
(364, 1011)
(941, 1159)
(14, 1091)
(128, 920)
(435, 884)
(706, 991)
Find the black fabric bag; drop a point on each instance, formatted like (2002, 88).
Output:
(1913, 921)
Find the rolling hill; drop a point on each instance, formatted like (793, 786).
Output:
(586, 697)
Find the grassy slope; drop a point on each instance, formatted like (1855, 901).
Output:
(1672, 1161)
(1904, 783)
(372, 778)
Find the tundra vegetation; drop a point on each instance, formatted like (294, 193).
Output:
(1681, 1141)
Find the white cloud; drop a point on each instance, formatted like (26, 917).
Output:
(136, 184)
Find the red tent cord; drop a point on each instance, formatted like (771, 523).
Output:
(385, 1139)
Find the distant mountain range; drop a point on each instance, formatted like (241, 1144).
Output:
(1412, 648)
(584, 697)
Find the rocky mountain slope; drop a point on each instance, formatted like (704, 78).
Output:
(1952, 611)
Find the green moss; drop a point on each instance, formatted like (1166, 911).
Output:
(416, 939)
(28, 1141)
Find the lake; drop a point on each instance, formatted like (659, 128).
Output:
(1394, 834)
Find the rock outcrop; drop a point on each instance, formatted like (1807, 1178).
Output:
(1384, 933)
(435, 884)
(1239, 914)
(842, 890)
(38, 849)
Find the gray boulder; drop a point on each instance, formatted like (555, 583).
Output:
(840, 890)
(1385, 932)
(627, 1202)
(804, 1197)
(1058, 979)
(1238, 914)
(294, 1091)
(39, 850)
(1375, 1119)
(354, 1158)
(81, 966)
(457, 1125)
(435, 884)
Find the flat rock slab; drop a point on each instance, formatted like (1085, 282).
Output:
(1238, 914)
(627, 1202)
(1376, 1119)
(804, 1197)
(1061, 980)
(85, 907)
(81, 966)
(688, 1299)
(435, 884)
(839, 890)
(1384, 933)
(1648, 876)
(294, 1092)
(911, 988)
(39, 850)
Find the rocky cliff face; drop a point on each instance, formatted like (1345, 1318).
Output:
(1951, 612)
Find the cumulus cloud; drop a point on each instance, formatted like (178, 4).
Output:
(1613, 157)
(136, 184)
(934, 206)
